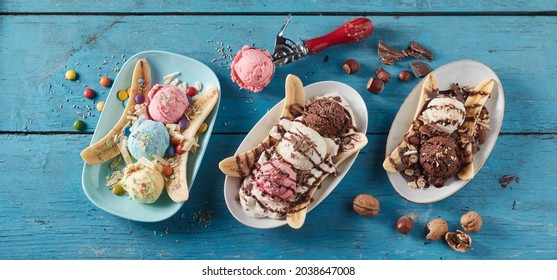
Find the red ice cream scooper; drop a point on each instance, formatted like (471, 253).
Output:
(352, 31)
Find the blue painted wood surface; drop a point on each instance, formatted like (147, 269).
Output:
(44, 213)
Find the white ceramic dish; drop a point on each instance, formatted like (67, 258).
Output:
(93, 177)
(261, 130)
(464, 72)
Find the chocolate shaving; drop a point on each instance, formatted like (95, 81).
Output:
(420, 69)
(388, 54)
(507, 179)
(418, 51)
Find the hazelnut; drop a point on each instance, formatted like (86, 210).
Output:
(459, 241)
(482, 135)
(471, 221)
(436, 229)
(351, 66)
(404, 76)
(383, 75)
(366, 205)
(375, 85)
(405, 224)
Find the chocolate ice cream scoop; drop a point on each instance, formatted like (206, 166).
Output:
(439, 160)
(328, 117)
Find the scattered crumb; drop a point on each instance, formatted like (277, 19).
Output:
(507, 179)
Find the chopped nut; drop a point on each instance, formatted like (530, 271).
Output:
(409, 171)
(413, 158)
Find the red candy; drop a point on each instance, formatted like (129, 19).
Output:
(191, 91)
(179, 149)
(89, 93)
(167, 170)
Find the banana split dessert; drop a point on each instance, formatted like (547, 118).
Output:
(159, 127)
(309, 141)
(447, 129)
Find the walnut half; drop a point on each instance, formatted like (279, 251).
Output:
(459, 241)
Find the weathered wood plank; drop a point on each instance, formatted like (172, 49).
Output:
(46, 215)
(37, 50)
(287, 6)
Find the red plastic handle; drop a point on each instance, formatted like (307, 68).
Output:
(350, 32)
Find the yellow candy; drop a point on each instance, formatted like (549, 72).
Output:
(70, 75)
(100, 106)
(202, 128)
(123, 95)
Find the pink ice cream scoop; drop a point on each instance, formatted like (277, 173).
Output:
(167, 103)
(276, 180)
(252, 69)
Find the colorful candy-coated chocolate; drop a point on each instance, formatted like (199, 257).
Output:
(79, 125)
(100, 106)
(170, 152)
(123, 95)
(139, 99)
(105, 81)
(71, 75)
(89, 93)
(167, 170)
(179, 149)
(184, 123)
(191, 91)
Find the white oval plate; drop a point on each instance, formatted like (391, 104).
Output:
(93, 178)
(261, 130)
(464, 72)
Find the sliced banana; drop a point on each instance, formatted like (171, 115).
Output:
(107, 148)
(177, 186)
(297, 216)
(473, 104)
(393, 163)
(241, 164)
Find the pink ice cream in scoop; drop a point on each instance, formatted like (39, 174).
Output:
(167, 103)
(252, 69)
(276, 180)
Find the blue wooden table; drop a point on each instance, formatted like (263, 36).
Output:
(44, 213)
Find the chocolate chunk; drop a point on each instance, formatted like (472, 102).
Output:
(388, 54)
(420, 69)
(418, 51)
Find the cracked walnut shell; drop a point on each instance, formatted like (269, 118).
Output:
(471, 221)
(366, 205)
(459, 241)
(436, 229)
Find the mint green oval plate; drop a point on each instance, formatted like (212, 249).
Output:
(93, 177)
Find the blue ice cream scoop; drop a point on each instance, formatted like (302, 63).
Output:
(147, 139)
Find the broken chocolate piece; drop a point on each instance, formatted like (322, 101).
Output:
(420, 69)
(388, 54)
(418, 51)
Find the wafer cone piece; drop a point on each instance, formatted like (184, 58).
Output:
(430, 89)
(473, 105)
(240, 165)
(106, 148)
(177, 186)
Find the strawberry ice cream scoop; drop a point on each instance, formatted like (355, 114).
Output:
(167, 103)
(276, 180)
(252, 69)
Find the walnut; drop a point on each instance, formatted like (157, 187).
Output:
(459, 241)
(471, 221)
(366, 205)
(436, 229)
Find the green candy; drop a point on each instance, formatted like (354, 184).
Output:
(79, 125)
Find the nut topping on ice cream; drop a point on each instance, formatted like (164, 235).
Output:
(439, 160)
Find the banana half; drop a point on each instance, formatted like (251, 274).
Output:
(107, 148)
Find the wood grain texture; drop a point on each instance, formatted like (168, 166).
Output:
(97, 45)
(45, 214)
(286, 6)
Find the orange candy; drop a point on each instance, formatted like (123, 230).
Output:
(167, 170)
(105, 81)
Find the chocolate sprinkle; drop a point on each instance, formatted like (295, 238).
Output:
(388, 54)
(420, 69)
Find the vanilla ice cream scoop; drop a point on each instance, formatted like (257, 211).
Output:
(305, 149)
(142, 183)
(445, 112)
